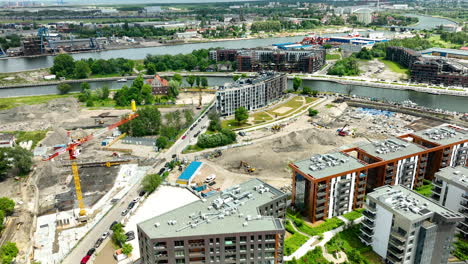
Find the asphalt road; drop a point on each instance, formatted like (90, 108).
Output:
(115, 213)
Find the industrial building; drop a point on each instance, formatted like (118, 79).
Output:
(449, 53)
(238, 225)
(255, 60)
(451, 190)
(336, 183)
(251, 93)
(430, 68)
(403, 226)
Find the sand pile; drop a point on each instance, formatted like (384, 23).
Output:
(58, 136)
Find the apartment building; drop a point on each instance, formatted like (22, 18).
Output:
(430, 69)
(396, 162)
(328, 185)
(451, 190)
(238, 225)
(255, 60)
(251, 93)
(447, 145)
(403, 226)
(335, 183)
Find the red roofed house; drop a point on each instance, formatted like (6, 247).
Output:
(464, 48)
(159, 85)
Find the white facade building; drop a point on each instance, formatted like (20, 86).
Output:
(405, 227)
(451, 190)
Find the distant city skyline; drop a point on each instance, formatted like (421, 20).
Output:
(87, 2)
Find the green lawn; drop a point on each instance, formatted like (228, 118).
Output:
(349, 242)
(461, 249)
(292, 243)
(11, 102)
(329, 105)
(232, 124)
(261, 117)
(353, 215)
(310, 99)
(395, 67)
(332, 56)
(301, 225)
(294, 104)
(24, 136)
(425, 189)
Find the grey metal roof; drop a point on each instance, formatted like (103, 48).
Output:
(444, 50)
(410, 205)
(391, 148)
(231, 211)
(443, 135)
(320, 166)
(457, 176)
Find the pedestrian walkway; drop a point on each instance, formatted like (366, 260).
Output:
(315, 242)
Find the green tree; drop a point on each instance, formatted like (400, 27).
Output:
(236, 77)
(297, 82)
(82, 70)
(7, 205)
(198, 81)
(63, 66)
(5, 164)
(204, 82)
(173, 90)
(22, 159)
(119, 237)
(177, 77)
(151, 69)
(127, 249)
(151, 182)
(105, 92)
(215, 122)
(306, 90)
(188, 116)
(162, 142)
(85, 86)
(190, 80)
(85, 95)
(241, 114)
(148, 123)
(8, 252)
(64, 88)
(313, 112)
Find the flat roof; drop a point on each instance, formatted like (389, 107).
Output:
(391, 148)
(457, 176)
(187, 174)
(231, 211)
(410, 205)
(444, 50)
(324, 165)
(443, 135)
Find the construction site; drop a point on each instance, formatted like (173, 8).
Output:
(59, 212)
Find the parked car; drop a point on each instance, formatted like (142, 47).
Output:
(130, 235)
(142, 193)
(124, 212)
(212, 183)
(131, 205)
(162, 170)
(113, 224)
(196, 134)
(184, 136)
(242, 134)
(85, 259)
(210, 178)
(136, 200)
(98, 242)
(90, 252)
(105, 235)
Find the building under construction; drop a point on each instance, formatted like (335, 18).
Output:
(37, 45)
(255, 60)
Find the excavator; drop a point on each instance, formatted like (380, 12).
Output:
(73, 152)
(342, 131)
(246, 166)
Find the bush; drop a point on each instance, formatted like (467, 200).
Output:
(345, 67)
(224, 137)
(127, 249)
(151, 182)
(7, 205)
(313, 112)
(8, 252)
(162, 142)
(64, 88)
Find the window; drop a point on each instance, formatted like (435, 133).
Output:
(179, 243)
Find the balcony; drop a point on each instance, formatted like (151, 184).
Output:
(398, 237)
(321, 194)
(369, 214)
(321, 201)
(394, 259)
(464, 204)
(322, 187)
(465, 196)
(367, 231)
(397, 251)
(463, 229)
(368, 223)
(437, 182)
(360, 195)
(320, 209)
(319, 216)
(365, 239)
(463, 211)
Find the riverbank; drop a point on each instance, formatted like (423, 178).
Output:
(153, 44)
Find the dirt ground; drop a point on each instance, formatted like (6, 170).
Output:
(378, 70)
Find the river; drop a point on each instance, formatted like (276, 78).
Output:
(23, 64)
(446, 102)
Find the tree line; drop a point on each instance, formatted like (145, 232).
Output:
(197, 59)
(66, 66)
(345, 67)
(455, 37)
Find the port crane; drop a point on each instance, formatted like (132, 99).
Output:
(73, 152)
